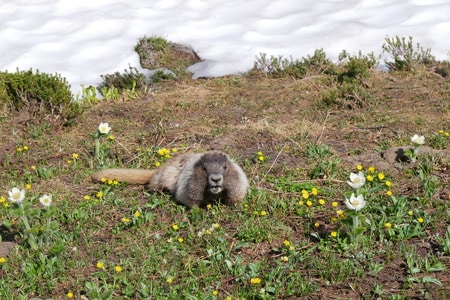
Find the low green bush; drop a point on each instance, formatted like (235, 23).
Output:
(38, 93)
(128, 80)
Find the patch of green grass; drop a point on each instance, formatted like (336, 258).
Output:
(299, 232)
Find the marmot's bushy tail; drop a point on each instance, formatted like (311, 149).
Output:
(133, 176)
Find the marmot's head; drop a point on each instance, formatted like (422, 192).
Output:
(213, 165)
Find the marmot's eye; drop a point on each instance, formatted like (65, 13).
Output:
(204, 168)
(225, 167)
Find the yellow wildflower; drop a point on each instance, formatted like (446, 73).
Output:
(175, 227)
(371, 169)
(137, 214)
(309, 203)
(2, 260)
(255, 280)
(286, 243)
(125, 220)
(100, 265)
(87, 197)
(69, 294)
(420, 220)
(410, 212)
(118, 269)
(215, 292)
(305, 194)
(317, 224)
(333, 234)
(369, 178)
(389, 193)
(27, 186)
(334, 204)
(321, 201)
(180, 240)
(381, 176)
(314, 191)
(388, 183)
(359, 167)
(169, 279)
(263, 213)
(74, 155)
(387, 225)
(99, 194)
(25, 148)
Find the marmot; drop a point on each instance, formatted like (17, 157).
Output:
(194, 179)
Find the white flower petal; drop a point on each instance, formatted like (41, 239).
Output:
(418, 140)
(104, 128)
(16, 195)
(46, 200)
(355, 203)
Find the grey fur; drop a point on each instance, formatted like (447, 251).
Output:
(193, 179)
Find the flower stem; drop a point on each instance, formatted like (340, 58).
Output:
(31, 238)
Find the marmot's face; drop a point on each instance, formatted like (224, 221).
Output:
(214, 166)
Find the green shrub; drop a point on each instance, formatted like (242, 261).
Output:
(39, 93)
(129, 80)
(403, 56)
(355, 68)
(277, 66)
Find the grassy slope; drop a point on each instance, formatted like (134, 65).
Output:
(283, 118)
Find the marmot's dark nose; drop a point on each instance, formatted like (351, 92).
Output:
(215, 179)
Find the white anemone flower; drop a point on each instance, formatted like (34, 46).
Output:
(16, 195)
(355, 203)
(46, 200)
(418, 140)
(104, 128)
(357, 180)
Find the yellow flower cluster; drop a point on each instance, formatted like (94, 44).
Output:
(261, 213)
(3, 201)
(260, 157)
(101, 265)
(288, 245)
(309, 197)
(110, 181)
(255, 280)
(22, 149)
(444, 133)
(166, 153)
